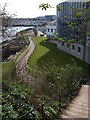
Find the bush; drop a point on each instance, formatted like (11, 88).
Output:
(16, 96)
(16, 102)
(64, 81)
(9, 70)
(57, 87)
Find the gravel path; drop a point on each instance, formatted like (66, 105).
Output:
(21, 66)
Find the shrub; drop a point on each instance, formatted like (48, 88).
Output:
(9, 70)
(64, 82)
(57, 87)
(16, 102)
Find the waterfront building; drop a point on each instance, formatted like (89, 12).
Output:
(51, 29)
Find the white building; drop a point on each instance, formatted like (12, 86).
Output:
(51, 29)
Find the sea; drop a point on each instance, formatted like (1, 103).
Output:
(12, 31)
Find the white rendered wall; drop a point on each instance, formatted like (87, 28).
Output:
(50, 27)
(75, 51)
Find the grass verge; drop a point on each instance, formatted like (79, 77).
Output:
(47, 53)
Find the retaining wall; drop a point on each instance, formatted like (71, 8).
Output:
(76, 50)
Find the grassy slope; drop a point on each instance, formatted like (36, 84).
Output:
(47, 53)
(8, 70)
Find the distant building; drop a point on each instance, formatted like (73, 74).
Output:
(37, 21)
(50, 17)
(51, 29)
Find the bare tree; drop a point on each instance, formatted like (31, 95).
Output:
(6, 20)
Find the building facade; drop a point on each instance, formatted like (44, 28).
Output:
(51, 29)
(67, 15)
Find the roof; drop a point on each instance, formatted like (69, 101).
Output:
(53, 23)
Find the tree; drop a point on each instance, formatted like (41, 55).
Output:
(6, 19)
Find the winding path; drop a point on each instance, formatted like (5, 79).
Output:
(22, 64)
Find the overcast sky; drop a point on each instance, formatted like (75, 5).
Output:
(30, 8)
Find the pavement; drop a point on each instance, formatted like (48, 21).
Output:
(22, 65)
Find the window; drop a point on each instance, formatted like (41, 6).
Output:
(51, 30)
(79, 49)
(62, 43)
(55, 30)
(68, 45)
(73, 47)
(48, 29)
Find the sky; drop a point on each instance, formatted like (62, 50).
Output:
(29, 8)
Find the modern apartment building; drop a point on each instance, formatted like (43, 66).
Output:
(66, 15)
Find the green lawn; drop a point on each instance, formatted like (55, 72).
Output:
(47, 53)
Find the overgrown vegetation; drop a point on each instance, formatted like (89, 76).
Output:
(45, 98)
(16, 96)
(8, 70)
(16, 45)
(56, 88)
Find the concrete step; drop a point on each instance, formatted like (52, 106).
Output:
(82, 98)
(84, 88)
(76, 102)
(82, 101)
(71, 114)
(79, 107)
(65, 116)
(78, 110)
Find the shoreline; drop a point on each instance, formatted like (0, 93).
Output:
(14, 30)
